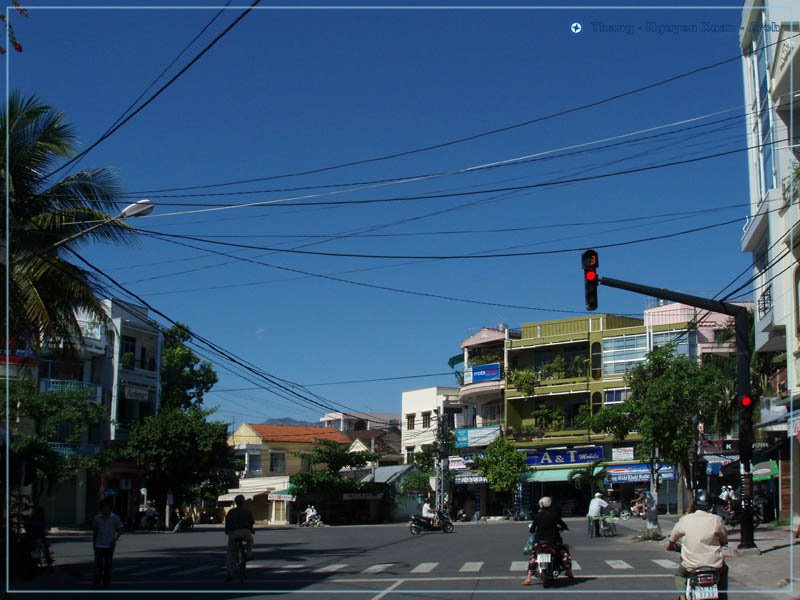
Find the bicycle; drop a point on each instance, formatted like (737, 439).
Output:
(607, 526)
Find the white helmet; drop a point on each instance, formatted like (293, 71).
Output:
(545, 501)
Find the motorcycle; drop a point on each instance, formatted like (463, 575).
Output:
(152, 522)
(702, 584)
(315, 521)
(550, 562)
(733, 518)
(418, 524)
(183, 524)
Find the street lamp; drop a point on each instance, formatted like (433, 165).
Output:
(139, 208)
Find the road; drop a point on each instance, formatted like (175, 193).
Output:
(376, 562)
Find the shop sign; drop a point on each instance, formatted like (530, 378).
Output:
(490, 372)
(638, 473)
(361, 496)
(136, 393)
(572, 456)
(476, 437)
(457, 463)
(465, 479)
(618, 454)
(281, 496)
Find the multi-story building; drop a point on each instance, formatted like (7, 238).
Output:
(771, 72)
(358, 421)
(418, 427)
(271, 456)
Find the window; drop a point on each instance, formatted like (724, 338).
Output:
(685, 341)
(410, 421)
(279, 514)
(597, 402)
(410, 454)
(621, 354)
(254, 463)
(277, 462)
(426, 420)
(617, 396)
(128, 345)
(597, 360)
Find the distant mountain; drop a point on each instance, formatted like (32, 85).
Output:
(291, 421)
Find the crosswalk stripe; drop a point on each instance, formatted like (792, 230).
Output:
(618, 564)
(330, 568)
(575, 566)
(424, 567)
(666, 563)
(377, 568)
(471, 567)
(519, 565)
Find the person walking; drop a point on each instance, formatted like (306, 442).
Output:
(596, 507)
(239, 525)
(106, 529)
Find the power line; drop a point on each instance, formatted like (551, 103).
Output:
(351, 381)
(147, 102)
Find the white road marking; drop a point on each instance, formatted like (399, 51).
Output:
(494, 578)
(388, 590)
(424, 567)
(575, 566)
(666, 563)
(618, 564)
(471, 567)
(293, 566)
(330, 568)
(519, 565)
(377, 568)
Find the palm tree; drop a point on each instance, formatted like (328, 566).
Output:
(588, 478)
(46, 289)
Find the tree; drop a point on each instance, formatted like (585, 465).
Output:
(46, 290)
(417, 482)
(503, 465)
(45, 447)
(669, 394)
(588, 479)
(335, 457)
(184, 377)
(179, 450)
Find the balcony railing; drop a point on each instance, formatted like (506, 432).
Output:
(765, 303)
(92, 390)
(75, 449)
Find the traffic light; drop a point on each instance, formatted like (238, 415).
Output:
(590, 263)
(745, 417)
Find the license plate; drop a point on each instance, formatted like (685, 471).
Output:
(706, 593)
(543, 558)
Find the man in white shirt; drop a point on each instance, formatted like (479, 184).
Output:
(427, 513)
(596, 507)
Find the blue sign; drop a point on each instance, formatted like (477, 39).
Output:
(462, 438)
(638, 473)
(476, 437)
(564, 457)
(490, 372)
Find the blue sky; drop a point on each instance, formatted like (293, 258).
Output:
(295, 90)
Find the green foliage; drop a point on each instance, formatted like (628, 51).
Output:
(485, 358)
(577, 367)
(179, 449)
(46, 291)
(184, 377)
(321, 483)
(524, 380)
(558, 367)
(335, 456)
(503, 465)
(127, 360)
(547, 418)
(417, 482)
(44, 418)
(587, 481)
(426, 458)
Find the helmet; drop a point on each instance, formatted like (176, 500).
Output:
(701, 500)
(545, 501)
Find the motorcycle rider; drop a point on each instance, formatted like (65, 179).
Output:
(311, 512)
(547, 526)
(239, 524)
(427, 513)
(702, 536)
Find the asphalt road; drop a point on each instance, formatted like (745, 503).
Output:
(375, 562)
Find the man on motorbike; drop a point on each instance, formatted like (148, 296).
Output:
(547, 526)
(311, 512)
(239, 524)
(702, 536)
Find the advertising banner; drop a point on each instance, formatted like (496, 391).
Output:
(618, 454)
(638, 473)
(564, 457)
(476, 437)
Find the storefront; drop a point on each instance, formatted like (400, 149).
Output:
(626, 479)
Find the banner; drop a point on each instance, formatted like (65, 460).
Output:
(638, 473)
(476, 437)
(620, 454)
(565, 457)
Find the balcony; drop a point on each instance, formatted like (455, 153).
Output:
(93, 391)
(75, 449)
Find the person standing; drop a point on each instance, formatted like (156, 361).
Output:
(596, 507)
(106, 529)
(239, 525)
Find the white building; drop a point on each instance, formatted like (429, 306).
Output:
(359, 421)
(771, 72)
(420, 418)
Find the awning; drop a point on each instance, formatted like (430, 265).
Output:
(637, 473)
(765, 471)
(542, 475)
(230, 496)
(717, 461)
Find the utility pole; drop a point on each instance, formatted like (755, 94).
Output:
(442, 462)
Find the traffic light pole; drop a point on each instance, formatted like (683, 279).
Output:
(743, 354)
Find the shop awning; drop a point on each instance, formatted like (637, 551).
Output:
(637, 473)
(765, 471)
(230, 496)
(717, 461)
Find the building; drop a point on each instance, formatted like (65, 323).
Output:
(771, 72)
(358, 421)
(117, 363)
(386, 442)
(420, 416)
(270, 454)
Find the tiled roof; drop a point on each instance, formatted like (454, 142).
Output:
(295, 433)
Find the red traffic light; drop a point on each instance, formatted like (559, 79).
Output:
(591, 275)
(747, 401)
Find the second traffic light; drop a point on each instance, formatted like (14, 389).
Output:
(590, 262)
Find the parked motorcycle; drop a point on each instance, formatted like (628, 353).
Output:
(183, 524)
(418, 524)
(549, 562)
(315, 521)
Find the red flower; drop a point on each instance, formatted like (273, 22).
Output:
(17, 46)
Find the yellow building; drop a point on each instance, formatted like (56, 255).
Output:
(270, 455)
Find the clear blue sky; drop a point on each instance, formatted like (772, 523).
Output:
(293, 90)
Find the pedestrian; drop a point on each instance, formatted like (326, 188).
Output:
(106, 529)
(596, 507)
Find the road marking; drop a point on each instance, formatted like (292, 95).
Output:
(618, 564)
(519, 565)
(575, 566)
(471, 567)
(330, 568)
(377, 568)
(396, 584)
(346, 580)
(200, 570)
(293, 566)
(666, 563)
(424, 567)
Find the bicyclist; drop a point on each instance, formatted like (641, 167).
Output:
(239, 525)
